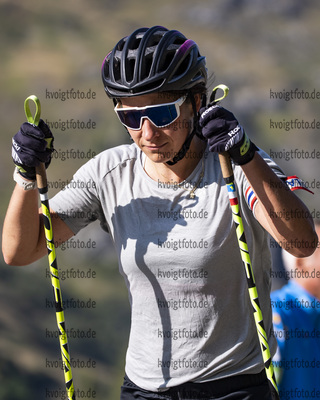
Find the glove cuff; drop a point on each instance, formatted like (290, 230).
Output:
(243, 152)
(28, 173)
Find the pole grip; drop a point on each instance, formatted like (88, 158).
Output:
(225, 163)
(41, 176)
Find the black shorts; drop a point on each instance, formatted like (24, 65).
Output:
(241, 387)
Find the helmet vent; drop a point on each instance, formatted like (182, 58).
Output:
(183, 67)
(129, 69)
(167, 60)
(147, 65)
(116, 69)
(135, 43)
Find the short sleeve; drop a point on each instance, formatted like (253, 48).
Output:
(78, 203)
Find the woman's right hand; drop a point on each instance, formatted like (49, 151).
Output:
(31, 146)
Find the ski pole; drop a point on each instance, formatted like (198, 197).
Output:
(43, 192)
(227, 173)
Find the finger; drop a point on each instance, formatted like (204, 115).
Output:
(27, 143)
(207, 114)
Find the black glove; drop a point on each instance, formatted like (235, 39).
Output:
(31, 146)
(224, 133)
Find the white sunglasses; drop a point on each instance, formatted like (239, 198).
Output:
(160, 115)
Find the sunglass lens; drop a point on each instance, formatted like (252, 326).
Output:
(162, 115)
(130, 118)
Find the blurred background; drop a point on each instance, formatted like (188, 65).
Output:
(261, 50)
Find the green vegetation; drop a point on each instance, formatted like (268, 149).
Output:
(256, 48)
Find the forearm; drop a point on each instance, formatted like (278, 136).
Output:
(23, 238)
(280, 211)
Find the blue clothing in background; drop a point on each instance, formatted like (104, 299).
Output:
(296, 320)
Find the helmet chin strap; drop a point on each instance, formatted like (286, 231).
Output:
(186, 145)
(182, 152)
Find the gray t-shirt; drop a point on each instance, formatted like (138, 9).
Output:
(191, 315)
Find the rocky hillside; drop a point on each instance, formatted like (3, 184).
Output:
(266, 52)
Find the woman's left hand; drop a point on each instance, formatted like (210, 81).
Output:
(224, 133)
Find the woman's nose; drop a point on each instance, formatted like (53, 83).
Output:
(149, 130)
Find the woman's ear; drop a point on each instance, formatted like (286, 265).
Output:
(197, 98)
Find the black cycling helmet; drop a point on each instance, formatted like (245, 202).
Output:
(153, 60)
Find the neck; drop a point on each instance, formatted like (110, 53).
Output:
(182, 169)
(310, 285)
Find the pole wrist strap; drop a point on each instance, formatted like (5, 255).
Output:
(24, 183)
